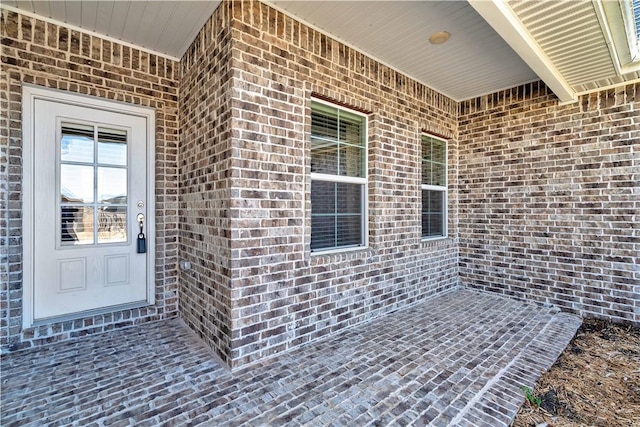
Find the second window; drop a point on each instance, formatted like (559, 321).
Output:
(434, 187)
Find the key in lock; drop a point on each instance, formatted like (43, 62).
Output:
(141, 247)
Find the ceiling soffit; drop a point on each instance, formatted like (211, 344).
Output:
(163, 27)
(474, 61)
(568, 43)
(494, 44)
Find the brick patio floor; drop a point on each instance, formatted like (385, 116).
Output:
(457, 359)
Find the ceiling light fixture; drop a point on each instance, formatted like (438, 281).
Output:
(439, 37)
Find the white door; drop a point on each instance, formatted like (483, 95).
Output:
(89, 185)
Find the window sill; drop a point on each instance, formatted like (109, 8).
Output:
(338, 251)
(434, 241)
(429, 239)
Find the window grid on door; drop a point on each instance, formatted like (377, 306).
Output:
(93, 183)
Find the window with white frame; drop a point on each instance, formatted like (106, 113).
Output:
(338, 177)
(434, 187)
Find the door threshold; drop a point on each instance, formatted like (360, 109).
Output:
(89, 313)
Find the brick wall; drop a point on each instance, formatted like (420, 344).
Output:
(549, 199)
(205, 174)
(41, 53)
(542, 198)
(281, 294)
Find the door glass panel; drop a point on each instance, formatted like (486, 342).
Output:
(93, 185)
(77, 143)
(112, 185)
(76, 184)
(112, 147)
(112, 224)
(76, 225)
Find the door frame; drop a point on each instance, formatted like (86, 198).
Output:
(31, 93)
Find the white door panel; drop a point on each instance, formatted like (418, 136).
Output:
(90, 173)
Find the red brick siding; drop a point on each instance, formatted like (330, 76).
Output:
(282, 295)
(549, 199)
(205, 174)
(542, 198)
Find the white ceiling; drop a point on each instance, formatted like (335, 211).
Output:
(494, 44)
(166, 27)
(475, 60)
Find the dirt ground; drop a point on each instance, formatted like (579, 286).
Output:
(595, 382)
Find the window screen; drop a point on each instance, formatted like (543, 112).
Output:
(434, 187)
(338, 177)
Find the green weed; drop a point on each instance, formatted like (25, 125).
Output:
(532, 398)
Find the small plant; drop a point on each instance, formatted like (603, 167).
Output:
(531, 396)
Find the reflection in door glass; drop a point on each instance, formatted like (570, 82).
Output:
(112, 147)
(76, 183)
(112, 185)
(76, 226)
(77, 143)
(112, 224)
(93, 183)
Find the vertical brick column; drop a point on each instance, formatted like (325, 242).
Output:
(205, 162)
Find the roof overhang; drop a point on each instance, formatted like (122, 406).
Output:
(503, 20)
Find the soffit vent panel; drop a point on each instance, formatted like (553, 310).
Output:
(608, 82)
(569, 33)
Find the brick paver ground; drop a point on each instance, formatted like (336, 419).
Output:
(457, 359)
